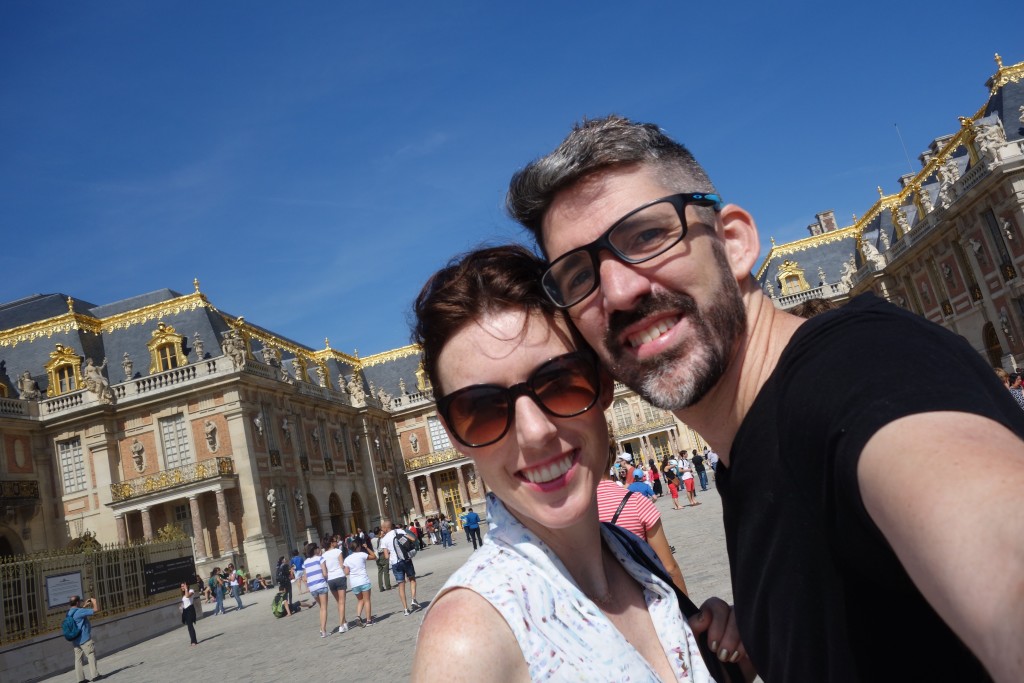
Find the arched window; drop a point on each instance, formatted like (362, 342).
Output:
(623, 418)
(64, 371)
(165, 349)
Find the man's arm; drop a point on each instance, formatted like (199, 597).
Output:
(659, 543)
(956, 524)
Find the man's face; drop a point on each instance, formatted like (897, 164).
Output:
(666, 327)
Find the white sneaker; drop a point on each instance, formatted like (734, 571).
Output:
(407, 612)
(343, 628)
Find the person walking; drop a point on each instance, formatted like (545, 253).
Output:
(359, 580)
(400, 564)
(217, 586)
(84, 644)
(336, 579)
(473, 527)
(235, 583)
(316, 581)
(446, 533)
(188, 611)
(655, 478)
(699, 468)
(383, 567)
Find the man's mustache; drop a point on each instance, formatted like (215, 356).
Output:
(652, 304)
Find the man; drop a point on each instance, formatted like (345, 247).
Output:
(1012, 381)
(462, 520)
(401, 566)
(834, 462)
(699, 469)
(473, 528)
(640, 486)
(300, 573)
(84, 643)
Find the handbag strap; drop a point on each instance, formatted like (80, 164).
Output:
(722, 672)
(622, 504)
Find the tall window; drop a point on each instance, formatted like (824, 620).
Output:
(623, 418)
(66, 379)
(438, 437)
(173, 432)
(997, 235)
(648, 411)
(72, 467)
(168, 357)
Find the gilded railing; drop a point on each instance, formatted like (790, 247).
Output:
(437, 458)
(648, 425)
(14, 489)
(168, 479)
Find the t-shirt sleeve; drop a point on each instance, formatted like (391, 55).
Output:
(646, 511)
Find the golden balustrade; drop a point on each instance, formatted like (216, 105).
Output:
(170, 478)
(436, 458)
(646, 426)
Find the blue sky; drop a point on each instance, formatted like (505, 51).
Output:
(313, 162)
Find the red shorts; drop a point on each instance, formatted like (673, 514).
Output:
(673, 489)
(689, 484)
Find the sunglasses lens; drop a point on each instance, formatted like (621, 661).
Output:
(566, 386)
(479, 415)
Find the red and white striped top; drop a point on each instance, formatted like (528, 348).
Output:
(637, 516)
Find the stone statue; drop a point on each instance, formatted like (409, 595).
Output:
(1008, 229)
(846, 278)
(341, 383)
(989, 139)
(28, 388)
(286, 429)
(138, 455)
(126, 364)
(355, 388)
(949, 172)
(821, 276)
(233, 347)
(770, 288)
(210, 431)
(978, 250)
(1004, 323)
(899, 217)
(924, 293)
(298, 501)
(257, 422)
(1021, 110)
(925, 198)
(95, 382)
(272, 504)
(314, 435)
(197, 346)
(947, 272)
(414, 443)
(883, 237)
(321, 375)
(384, 397)
(270, 356)
(401, 387)
(872, 256)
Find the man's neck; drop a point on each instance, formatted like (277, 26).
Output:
(718, 416)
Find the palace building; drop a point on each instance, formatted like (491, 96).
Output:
(120, 420)
(948, 245)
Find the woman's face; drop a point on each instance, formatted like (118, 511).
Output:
(545, 468)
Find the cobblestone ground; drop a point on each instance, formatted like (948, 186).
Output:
(253, 645)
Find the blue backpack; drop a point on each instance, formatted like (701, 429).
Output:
(70, 626)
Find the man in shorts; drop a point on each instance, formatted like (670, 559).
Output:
(401, 566)
(300, 574)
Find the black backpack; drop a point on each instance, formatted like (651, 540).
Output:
(283, 573)
(405, 546)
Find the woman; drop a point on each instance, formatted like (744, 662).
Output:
(283, 575)
(668, 468)
(558, 596)
(687, 479)
(655, 478)
(316, 580)
(188, 612)
(359, 580)
(336, 581)
(216, 584)
(235, 583)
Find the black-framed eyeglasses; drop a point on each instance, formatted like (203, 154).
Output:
(481, 414)
(639, 236)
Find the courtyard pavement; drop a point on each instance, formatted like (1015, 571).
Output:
(253, 645)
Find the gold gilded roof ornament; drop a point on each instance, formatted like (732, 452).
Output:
(880, 193)
(71, 305)
(195, 283)
(327, 343)
(999, 61)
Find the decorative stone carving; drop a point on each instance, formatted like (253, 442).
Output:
(314, 436)
(1008, 229)
(401, 387)
(821, 276)
(269, 354)
(138, 455)
(257, 422)
(949, 172)
(95, 382)
(272, 504)
(770, 288)
(198, 347)
(126, 365)
(414, 443)
(924, 292)
(1021, 110)
(899, 217)
(321, 376)
(286, 429)
(989, 139)
(384, 397)
(234, 348)
(978, 250)
(299, 503)
(210, 432)
(883, 237)
(28, 388)
(925, 198)
(846, 277)
(355, 389)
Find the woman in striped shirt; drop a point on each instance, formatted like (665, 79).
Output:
(316, 579)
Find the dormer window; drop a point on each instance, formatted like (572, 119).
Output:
(165, 349)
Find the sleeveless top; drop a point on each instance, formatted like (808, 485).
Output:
(563, 635)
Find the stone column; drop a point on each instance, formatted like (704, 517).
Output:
(463, 489)
(197, 527)
(122, 529)
(418, 504)
(147, 524)
(223, 532)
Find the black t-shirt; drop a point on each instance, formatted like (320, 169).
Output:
(698, 463)
(820, 595)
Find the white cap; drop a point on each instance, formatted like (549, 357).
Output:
(673, 461)
(625, 456)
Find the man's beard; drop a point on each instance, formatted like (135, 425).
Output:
(680, 377)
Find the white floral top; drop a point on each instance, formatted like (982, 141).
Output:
(564, 636)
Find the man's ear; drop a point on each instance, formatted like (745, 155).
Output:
(740, 239)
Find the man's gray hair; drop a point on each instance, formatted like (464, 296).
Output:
(594, 145)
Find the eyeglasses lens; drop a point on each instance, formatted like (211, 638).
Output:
(564, 387)
(638, 237)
